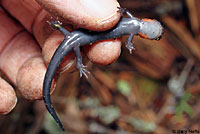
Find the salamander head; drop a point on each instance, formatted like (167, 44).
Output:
(150, 29)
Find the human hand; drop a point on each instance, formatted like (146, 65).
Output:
(26, 47)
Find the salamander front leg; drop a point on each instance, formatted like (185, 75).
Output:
(129, 43)
(82, 69)
(56, 24)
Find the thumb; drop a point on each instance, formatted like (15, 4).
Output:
(96, 15)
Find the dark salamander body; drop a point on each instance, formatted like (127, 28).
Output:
(146, 28)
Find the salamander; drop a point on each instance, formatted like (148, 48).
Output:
(145, 28)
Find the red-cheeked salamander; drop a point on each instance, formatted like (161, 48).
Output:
(146, 28)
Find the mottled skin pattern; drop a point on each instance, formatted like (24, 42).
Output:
(146, 28)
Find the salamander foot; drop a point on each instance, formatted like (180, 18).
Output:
(55, 24)
(130, 47)
(83, 70)
(129, 43)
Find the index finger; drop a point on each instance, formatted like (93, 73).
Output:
(97, 15)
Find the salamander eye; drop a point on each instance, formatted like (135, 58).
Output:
(151, 29)
(158, 38)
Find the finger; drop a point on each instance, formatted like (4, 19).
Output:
(97, 15)
(30, 15)
(30, 78)
(24, 11)
(8, 97)
(104, 52)
(18, 48)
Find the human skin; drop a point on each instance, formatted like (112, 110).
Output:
(26, 48)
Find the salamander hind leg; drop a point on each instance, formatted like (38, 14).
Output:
(82, 69)
(129, 43)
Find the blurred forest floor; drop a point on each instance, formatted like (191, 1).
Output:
(153, 91)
